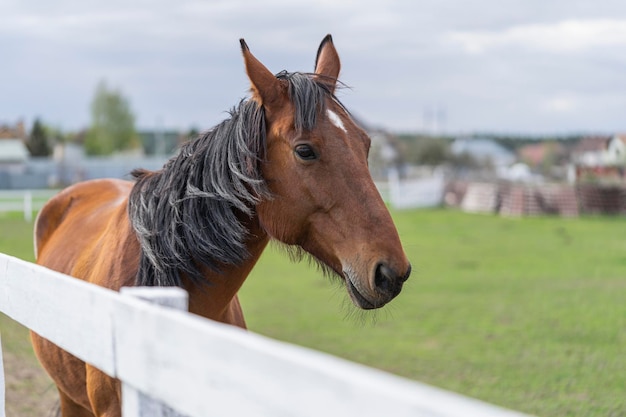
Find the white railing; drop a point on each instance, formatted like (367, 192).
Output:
(2, 408)
(25, 201)
(201, 368)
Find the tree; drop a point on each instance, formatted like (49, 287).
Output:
(112, 123)
(39, 140)
(424, 150)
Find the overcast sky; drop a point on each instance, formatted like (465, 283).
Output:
(526, 66)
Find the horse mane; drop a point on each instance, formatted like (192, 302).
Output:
(190, 213)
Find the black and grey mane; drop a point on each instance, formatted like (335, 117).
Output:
(190, 213)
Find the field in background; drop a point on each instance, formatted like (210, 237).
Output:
(525, 313)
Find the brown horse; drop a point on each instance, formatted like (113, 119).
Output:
(288, 164)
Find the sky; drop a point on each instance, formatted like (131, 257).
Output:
(451, 66)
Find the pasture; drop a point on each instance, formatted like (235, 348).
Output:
(524, 313)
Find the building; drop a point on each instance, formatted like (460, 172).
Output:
(601, 159)
(18, 131)
(13, 154)
(484, 151)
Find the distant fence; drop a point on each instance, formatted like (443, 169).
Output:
(201, 368)
(597, 199)
(73, 167)
(511, 199)
(25, 201)
(415, 192)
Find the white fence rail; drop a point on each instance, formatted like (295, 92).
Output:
(2, 408)
(201, 368)
(24, 201)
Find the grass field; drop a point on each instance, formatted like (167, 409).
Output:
(526, 313)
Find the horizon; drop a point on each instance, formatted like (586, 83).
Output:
(559, 135)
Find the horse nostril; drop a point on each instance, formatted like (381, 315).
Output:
(408, 273)
(383, 278)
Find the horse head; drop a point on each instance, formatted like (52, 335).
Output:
(323, 199)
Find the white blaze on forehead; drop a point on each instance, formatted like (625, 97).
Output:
(336, 120)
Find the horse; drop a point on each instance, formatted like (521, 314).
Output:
(288, 164)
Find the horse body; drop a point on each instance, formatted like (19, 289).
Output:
(289, 164)
(103, 250)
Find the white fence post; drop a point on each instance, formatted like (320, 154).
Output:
(28, 206)
(1, 381)
(24, 201)
(134, 402)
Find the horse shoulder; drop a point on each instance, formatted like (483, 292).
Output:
(49, 218)
(117, 254)
(83, 230)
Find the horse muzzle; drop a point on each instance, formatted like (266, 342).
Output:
(384, 287)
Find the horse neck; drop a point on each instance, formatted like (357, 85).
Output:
(218, 301)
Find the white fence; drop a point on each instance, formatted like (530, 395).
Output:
(425, 190)
(202, 368)
(417, 192)
(25, 201)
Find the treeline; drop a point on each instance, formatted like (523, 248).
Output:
(423, 149)
(513, 142)
(111, 129)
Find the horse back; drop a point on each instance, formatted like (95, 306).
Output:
(84, 231)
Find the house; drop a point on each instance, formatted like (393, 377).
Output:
(13, 158)
(17, 131)
(542, 153)
(600, 158)
(161, 142)
(591, 151)
(13, 150)
(484, 151)
(616, 150)
(13, 154)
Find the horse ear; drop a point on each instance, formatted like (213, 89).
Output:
(265, 86)
(327, 62)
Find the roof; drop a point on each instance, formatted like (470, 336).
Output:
(483, 149)
(536, 153)
(16, 131)
(591, 144)
(13, 150)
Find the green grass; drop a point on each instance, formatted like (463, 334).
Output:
(16, 240)
(526, 313)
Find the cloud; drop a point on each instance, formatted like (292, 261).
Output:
(492, 65)
(566, 36)
(563, 103)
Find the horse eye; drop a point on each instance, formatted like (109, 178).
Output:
(305, 152)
